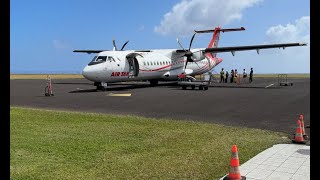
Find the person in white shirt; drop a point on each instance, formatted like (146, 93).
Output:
(244, 75)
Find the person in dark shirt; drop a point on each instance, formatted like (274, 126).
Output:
(251, 75)
(232, 75)
(227, 75)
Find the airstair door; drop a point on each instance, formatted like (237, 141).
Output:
(133, 66)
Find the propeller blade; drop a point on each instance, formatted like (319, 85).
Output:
(185, 66)
(191, 41)
(180, 44)
(114, 44)
(124, 45)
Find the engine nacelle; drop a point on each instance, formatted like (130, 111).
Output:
(198, 56)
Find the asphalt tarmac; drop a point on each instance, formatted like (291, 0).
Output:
(262, 104)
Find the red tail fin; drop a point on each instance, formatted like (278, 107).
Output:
(215, 40)
(216, 33)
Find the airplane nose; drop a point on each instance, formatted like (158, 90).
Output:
(86, 72)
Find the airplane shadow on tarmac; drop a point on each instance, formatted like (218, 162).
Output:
(71, 83)
(125, 87)
(173, 86)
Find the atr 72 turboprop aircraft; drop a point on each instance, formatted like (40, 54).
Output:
(161, 64)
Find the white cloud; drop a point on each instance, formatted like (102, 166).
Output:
(58, 44)
(293, 59)
(189, 15)
(299, 31)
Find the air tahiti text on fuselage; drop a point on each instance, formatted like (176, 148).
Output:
(119, 74)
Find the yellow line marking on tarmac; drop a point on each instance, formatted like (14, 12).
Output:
(123, 95)
(269, 85)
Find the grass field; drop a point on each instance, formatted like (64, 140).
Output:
(47, 144)
(73, 76)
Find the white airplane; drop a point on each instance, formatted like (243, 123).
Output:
(115, 65)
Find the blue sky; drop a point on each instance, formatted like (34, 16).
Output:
(43, 34)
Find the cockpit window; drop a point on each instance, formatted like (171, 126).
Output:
(101, 59)
(110, 59)
(98, 60)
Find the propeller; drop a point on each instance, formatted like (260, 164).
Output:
(115, 46)
(187, 53)
(124, 45)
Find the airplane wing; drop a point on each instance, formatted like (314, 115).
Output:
(89, 51)
(98, 51)
(232, 49)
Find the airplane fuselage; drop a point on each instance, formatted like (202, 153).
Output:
(162, 64)
(154, 65)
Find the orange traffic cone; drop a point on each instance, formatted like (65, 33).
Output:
(234, 173)
(305, 136)
(298, 137)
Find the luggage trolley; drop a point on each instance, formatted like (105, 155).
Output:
(184, 83)
(283, 80)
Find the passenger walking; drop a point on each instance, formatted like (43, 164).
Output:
(251, 75)
(227, 75)
(221, 76)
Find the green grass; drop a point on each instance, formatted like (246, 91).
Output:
(47, 144)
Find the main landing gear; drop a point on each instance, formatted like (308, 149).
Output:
(101, 86)
(153, 82)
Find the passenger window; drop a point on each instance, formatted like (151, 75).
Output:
(157, 63)
(148, 63)
(144, 63)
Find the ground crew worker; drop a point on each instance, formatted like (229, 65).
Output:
(232, 76)
(221, 76)
(227, 75)
(251, 75)
(235, 75)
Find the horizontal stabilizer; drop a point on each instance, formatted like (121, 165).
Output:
(218, 29)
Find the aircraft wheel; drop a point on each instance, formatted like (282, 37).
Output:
(193, 87)
(206, 88)
(200, 87)
(153, 82)
(102, 88)
(184, 87)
